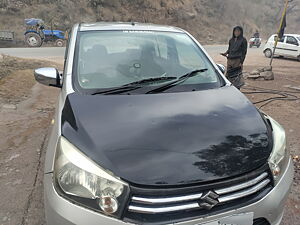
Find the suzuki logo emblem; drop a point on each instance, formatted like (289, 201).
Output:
(208, 200)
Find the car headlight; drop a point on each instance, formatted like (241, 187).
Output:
(280, 155)
(83, 181)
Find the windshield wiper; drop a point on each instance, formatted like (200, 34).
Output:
(115, 90)
(180, 80)
(151, 80)
(134, 85)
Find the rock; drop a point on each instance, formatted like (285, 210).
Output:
(255, 72)
(260, 70)
(295, 88)
(267, 68)
(3, 174)
(267, 75)
(254, 77)
(162, 4)
(246, 75)
(191, 15)
(9, 106)
(14, 156)
(286, 86)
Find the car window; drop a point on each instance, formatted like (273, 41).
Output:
(109, 59)
(280, 40)
(298, 38)
(291, 40)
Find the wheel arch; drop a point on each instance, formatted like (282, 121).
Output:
(31, 31)
(267, 50)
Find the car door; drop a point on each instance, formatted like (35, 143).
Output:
(280, 49)
(291, 46)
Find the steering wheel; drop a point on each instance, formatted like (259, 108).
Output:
(131, 70)
(94, 76)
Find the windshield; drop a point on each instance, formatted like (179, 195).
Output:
(298, 38)
(108, 59)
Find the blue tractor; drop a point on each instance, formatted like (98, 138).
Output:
(36, 34)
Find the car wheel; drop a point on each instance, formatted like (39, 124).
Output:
(59, 43)
(268, 53)
(298, 58)
(250, 46)
(33, 40)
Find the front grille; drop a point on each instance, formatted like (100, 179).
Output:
(150, 207)
(261, 221)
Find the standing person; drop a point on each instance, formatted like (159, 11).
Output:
(237, 49)
(236, 55)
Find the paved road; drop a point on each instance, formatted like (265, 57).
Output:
(36, 53)
(54, 52)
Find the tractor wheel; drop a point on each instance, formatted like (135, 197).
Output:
(33, 40)
(59, 42)
(268, 53)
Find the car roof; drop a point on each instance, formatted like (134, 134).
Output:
(296, 35)
(127, 26)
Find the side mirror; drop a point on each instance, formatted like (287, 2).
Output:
(48, 76)
(222, 68)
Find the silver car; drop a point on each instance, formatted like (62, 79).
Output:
(148, 130)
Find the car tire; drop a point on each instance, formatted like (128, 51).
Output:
(298, 58)
(268, 53)
(33, 40)
(59, 42)
(250, 46)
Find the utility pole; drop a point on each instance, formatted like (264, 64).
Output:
(280, 27)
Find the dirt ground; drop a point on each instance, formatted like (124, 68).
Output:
(26, 110)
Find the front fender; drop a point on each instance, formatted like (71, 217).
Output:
(31, 31)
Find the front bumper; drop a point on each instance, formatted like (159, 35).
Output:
(60, 211)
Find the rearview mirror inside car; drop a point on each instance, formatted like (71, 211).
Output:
(48, 76)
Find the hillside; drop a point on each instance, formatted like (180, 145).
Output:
(211, 21)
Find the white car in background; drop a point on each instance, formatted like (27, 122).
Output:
(288, 46)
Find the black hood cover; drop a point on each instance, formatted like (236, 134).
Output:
(170, 138)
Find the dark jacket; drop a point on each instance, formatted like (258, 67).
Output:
(237, 46)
